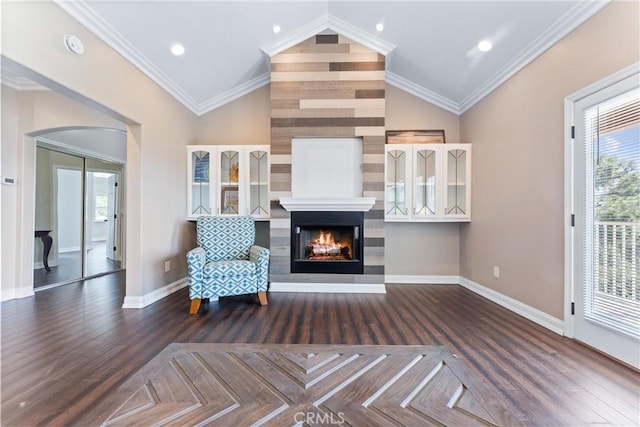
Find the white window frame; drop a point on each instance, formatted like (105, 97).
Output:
(569, 231)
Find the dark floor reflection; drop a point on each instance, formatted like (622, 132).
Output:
(70, 266)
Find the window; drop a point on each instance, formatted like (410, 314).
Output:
(101, 204)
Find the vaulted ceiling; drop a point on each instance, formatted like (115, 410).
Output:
(430, 45)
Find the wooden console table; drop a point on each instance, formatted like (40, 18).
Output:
(47, 242)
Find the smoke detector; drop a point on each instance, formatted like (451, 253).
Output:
(73, 44)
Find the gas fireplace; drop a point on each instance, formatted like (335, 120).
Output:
(327, 242)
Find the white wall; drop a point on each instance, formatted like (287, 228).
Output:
(421, 249)
(21, 113)
(158, 129)
(518, 173)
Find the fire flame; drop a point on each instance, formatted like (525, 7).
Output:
(326, 239)
(325, 244)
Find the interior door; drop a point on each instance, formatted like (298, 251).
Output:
(606, 235)
(102, 224)
(112, 201)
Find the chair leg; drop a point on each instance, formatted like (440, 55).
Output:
(262, 296)
(195, 306)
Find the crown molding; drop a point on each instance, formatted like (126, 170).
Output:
(329, 22)
(572, 19)
(233, 94)
(92, 21)
(296, 36)
(81, 12)
(358, 35)
(17, 82)
(422, 93)
(21, 83)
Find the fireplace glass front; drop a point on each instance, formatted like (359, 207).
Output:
(326, 242)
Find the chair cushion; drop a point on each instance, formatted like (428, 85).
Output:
(229, 269)
(226, 238)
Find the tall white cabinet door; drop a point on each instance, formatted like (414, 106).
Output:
(427, 168)
(457, 182)
(229, 172)
(257, 194)
(397, 182)
(200, 187)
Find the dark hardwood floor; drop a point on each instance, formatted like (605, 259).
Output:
(66, 348)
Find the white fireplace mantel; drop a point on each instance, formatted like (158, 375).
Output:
(361, 204)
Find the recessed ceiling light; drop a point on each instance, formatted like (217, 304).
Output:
(276, 29)
(177, 49)
(485, 46)
(380, 26)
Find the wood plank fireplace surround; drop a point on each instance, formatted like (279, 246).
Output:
(327, 164)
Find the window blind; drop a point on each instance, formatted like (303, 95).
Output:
(612, 220)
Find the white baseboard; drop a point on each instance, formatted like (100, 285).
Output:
(339, 288)
(422, 280)
(158, 294)
(524, 310)
(541, 318)
(9, 294)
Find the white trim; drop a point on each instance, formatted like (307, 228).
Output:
(69, 249)
(355, 204)
(15, 293)
(541, 318)
(329, 22)
(158, 294)
(84, 14)
(72, 149)
(533, 314)
(19, 83)
(96, 24)
(406, 279)
(605, 82)
(338, 288)
(422, 93)
(233, 94)
(568, 22)
(296, 36)
(568, 211)
(358, 35)
(569, 117)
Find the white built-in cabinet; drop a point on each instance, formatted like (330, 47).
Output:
(228, 180)
(428, 182)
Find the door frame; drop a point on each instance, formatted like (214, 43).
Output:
(569, 230)
(49, 144)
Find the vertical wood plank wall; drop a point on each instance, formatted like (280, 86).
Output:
(328, 86)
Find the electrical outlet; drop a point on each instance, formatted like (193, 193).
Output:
(496, 271)
(167, 266)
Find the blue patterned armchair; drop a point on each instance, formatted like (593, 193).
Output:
(226, 261)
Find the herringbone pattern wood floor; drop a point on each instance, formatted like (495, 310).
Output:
(277, 385)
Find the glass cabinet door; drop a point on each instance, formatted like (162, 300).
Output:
(424, 182)
(456, 174)
(229, 182)
(396, 192)
(258, 183)
(200, 183)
